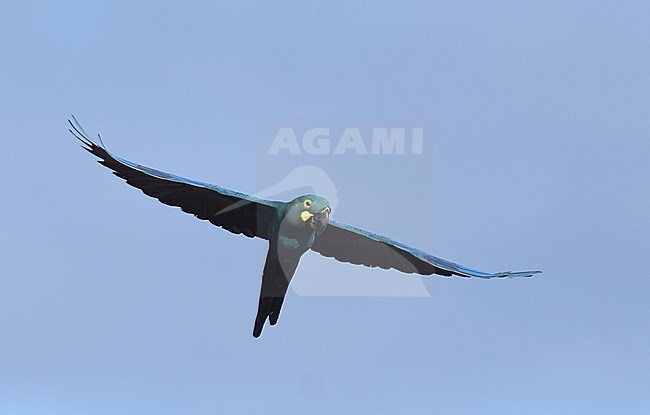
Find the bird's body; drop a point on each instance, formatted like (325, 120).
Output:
(291, 228)
(288, 241)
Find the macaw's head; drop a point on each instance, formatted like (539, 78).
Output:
(309, 212)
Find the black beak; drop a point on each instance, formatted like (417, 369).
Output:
(321, 220)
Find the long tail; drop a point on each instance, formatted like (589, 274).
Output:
(275, 283)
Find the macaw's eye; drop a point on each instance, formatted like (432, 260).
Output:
(307, 204)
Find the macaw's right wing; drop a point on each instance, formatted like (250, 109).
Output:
(233, 211)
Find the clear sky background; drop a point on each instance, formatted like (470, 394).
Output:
(537, 157)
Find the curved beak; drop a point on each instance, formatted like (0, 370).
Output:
(321, 220)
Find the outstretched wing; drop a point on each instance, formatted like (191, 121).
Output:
(234, 211)
(350, 244)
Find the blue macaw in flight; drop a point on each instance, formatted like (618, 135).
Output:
(291, 228)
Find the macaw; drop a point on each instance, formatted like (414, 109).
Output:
(291, 228)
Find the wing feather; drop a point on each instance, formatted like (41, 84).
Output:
(347, 243)
(233, 211)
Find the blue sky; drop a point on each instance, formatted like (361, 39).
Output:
(535, 156)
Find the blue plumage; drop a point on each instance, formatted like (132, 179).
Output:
(292, 228)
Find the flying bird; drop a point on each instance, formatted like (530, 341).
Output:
(291, 228)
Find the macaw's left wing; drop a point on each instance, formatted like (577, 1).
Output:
(233, 211)
(357, 246)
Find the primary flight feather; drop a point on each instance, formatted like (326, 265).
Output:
(292, 228)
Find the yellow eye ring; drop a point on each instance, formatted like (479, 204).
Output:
(306, 203)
